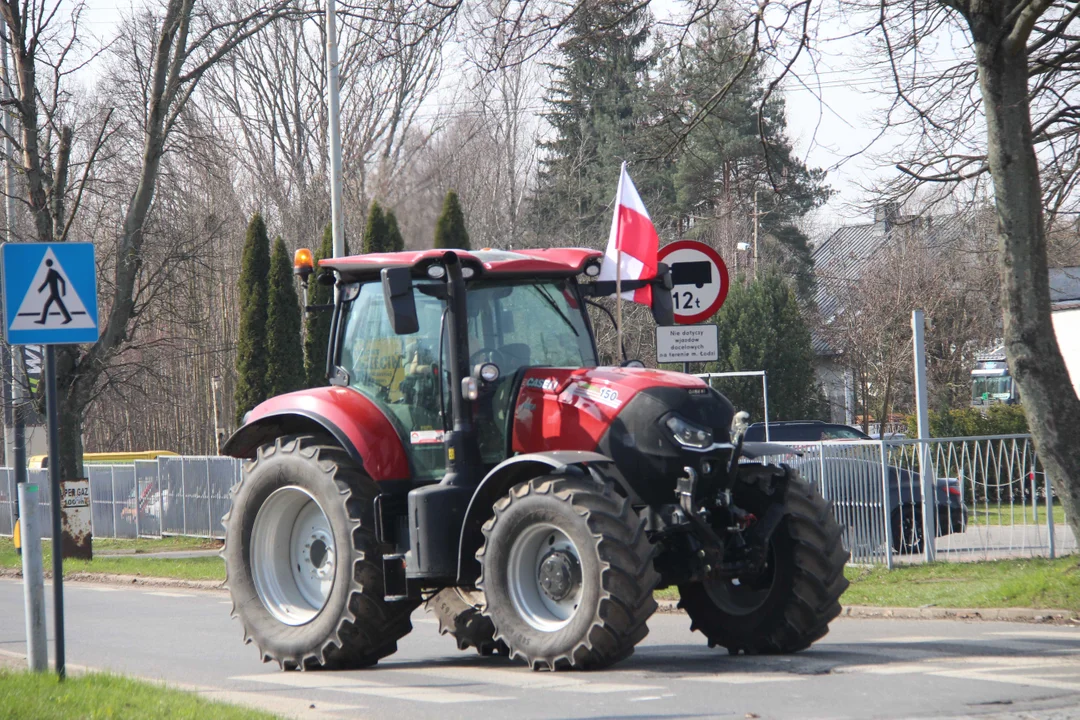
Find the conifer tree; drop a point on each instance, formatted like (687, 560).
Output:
(393, 233)
(317, 337)
(251, 351)
(760, 327)
(375, 232)
(285, 353)
(598, 106)
(450, 229)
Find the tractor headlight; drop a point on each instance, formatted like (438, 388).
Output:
(689, 434)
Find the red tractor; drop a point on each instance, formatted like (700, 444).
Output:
(470, 453)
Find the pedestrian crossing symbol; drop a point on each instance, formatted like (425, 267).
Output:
(50, 293)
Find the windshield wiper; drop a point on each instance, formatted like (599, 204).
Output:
(555, 306)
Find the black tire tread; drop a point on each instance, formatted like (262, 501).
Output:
(627, 578)
(464, 622)
(817, 586)
(370, 627)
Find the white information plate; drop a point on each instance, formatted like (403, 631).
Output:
(686, 343)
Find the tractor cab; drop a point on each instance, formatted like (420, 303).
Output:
(513, 322)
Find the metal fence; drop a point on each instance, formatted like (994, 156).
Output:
(991, 498)
(148, 498)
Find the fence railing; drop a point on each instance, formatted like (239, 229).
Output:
(147, 498)
(992, 498)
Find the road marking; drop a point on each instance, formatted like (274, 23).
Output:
(900, 668)
(522, 679)
(421, 694)
(912, 639)
(352, 684)
(97, 588)
(290, 707)
(1054, 635)
(746, 678)
(169, 594)
(984, 675)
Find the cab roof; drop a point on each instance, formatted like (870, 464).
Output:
(545, 262)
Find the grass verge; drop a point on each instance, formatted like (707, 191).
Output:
(199, 568)
(32, 696)
(1029, 583)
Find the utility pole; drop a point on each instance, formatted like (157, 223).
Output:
(37, 649)
(333, 103)
(219, 432)
(755, 234)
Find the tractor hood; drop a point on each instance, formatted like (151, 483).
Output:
(620, 412)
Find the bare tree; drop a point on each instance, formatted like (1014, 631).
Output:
(188, 38)
(1015, 91)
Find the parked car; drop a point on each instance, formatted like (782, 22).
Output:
(803, 431)
(905, 501)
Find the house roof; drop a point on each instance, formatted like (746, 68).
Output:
(1065, 285)
(842, 259)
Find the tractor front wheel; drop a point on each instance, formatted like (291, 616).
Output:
(789, 604)
(567, 573)
(302, 561)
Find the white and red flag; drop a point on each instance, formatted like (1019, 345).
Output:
(633, 240)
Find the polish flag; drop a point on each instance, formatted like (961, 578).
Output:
(633, 233)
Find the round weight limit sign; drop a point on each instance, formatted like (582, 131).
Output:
(699, 278)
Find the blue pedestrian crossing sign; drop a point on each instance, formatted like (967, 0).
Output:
(50, 293)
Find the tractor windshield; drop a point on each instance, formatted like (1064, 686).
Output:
(514, 325)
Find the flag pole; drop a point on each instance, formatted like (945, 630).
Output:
(618, 268)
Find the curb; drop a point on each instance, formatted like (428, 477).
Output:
(858, 612)
(139, 580)
(867, 612)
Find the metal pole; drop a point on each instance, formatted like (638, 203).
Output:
(334, 129)
(755, 246)
(885, 503)
(37, 645)
(183, 495)
(1049, 490)
(926, 467)
(765, 395)
(57, 502)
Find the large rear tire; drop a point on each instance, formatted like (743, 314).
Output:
(460, 615)
(791, 603)
(302, 562)
(567, 573)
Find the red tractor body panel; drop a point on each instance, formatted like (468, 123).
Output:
(554, 262)
(354, 416)
(571, 409)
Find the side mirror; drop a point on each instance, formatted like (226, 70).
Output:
(400, 303)
(663, 309)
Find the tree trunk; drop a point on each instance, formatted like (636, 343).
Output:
(1050, 404)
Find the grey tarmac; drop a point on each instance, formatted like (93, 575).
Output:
(864, 668)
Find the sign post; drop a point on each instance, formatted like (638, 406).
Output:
(700, 284)
(50, 298)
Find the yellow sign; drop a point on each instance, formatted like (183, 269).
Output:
(17, 534)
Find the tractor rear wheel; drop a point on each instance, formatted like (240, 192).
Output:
(789, 605)
(460, 615)
(567, 573)
(302, 561)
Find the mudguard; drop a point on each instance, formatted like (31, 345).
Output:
(519, 469)
(357, 423)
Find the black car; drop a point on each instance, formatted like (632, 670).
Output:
(905, 486)
(803, 431)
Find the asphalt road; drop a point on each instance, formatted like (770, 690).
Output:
(862, 669)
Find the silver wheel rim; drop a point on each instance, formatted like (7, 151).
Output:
(293, 556)
(538, 605)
